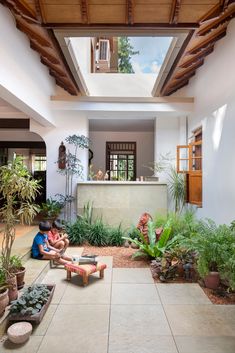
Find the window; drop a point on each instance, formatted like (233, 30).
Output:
(39, 163)
(189, 161)
(121, 160)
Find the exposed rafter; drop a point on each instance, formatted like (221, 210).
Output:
(226, 3)
(225, 17)
(209, 40)
(41, 41)
(84, 12)
(201, 55)
(175, 9)
(184, 73)
(130, 12)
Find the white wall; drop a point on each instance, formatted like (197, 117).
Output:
(214, 91)
(24, 81)
(144, 144)
(68, 123)
(167, 137)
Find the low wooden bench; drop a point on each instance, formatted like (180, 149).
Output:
(85, 270)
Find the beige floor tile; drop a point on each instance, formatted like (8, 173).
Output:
(141, 344)
(197, 320)
(205, 344)
(40, 330)
(94, 293)
(138, 320)
(182, 293)
(132, 275)
(31, 346)
(72, 343)
(227, 313)
(123, 293)
(80, 320)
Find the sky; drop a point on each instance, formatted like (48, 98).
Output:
(152, 51)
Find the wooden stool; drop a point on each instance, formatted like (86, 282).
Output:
(85, 271)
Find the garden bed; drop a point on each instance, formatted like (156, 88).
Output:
(122, 258)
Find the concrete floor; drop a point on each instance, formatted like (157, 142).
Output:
(127, 313)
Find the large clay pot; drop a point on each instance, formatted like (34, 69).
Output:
(20, 277)
(12, 292)
(212, 280)
(4, 300)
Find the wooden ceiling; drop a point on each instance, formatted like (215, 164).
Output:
(206, 20)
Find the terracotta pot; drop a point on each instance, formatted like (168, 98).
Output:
(4, 300)
(20, 277)
(212, 280)
(180, 270)
(13, 292)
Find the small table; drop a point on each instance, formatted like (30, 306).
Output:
(85, 270)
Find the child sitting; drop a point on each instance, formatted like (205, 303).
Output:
(58, 241)
(42, 250)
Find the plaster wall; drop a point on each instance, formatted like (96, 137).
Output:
(144, 145)
(24, 81)
(68, 123)
(214, 91)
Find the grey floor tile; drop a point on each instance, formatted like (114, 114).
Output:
(182, 293)
(94, 293)
(88, 343)
(132, 275)
(191, 344)
(142, 344)
(197, 320)
(31, 346)
(123, 293)
(138, 320)
(80, 320)
(40, 330)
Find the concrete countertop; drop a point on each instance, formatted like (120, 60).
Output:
(107, 182)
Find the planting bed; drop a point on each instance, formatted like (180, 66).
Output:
(122, 258)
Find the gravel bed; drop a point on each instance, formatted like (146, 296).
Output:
(121, 255)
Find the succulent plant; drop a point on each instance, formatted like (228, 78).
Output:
(31, 301)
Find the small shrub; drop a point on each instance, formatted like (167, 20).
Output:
(99, 233)
(78, 232)
(115, 236)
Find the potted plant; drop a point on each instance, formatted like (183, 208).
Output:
(159, 166)
(33, 303)
(18, 191)
(213, 245)
(4, 299)
(17, 267)
(50, 209)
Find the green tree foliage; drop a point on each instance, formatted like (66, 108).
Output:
(125, 52)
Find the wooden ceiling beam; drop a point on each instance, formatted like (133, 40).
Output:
(192, 68)
(25, 27)
(43, 52)
(200, 55)
(208, 41)
(225, 17)
(171, 89)
(21, 8)
(102, 26)
(130, 12)
(226, 3)
(213, 13)
(84, 12)
(175, 9)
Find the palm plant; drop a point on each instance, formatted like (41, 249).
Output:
(176, 185)
(18, 190)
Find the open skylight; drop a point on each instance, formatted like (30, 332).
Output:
(119, 66)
